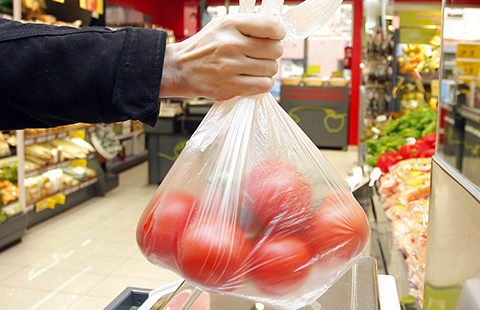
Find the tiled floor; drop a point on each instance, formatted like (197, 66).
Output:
(84, 257)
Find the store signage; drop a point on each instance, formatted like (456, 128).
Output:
(468, 60)
(419, 27)
(468, 51)
(420, 18)
(314, 94)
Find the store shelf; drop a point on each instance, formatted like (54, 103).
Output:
(470, 113)
(390, 259)
(8, 161)
(55, 166)
(66, 192)
(128, 162)
(129, 135)
(32, 139)
(13, 208)
(74, 196)
(13, 229)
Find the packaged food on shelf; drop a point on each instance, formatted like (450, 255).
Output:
(137, 126)
(404, 193)
(33, 189)
(53, 182)
(4, 147)
(105, 142)
(70, 150)
(41, 154)
(79, 173)
(91, 173)
(69, 181)
(83, 145)
(29, 132)
(31, 166)
(126, 127)
(337, 80)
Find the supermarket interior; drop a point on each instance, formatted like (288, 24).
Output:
(387, 90)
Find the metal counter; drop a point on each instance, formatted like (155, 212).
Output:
(357, 289)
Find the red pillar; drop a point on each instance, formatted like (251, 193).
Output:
(356, 72)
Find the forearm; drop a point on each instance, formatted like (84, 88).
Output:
(52, 76)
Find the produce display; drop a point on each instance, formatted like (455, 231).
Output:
(418, 67)
(8, 188)
(251, 208)
(391, 135)
(55, 181)
(420, 57)
(404, 193)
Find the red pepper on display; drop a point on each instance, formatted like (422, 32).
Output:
(388, 159)
(408, 151)
(430, 139)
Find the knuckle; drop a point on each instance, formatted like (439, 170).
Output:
(278, 50)
(275, 28)
(272, 67)
(266, 84)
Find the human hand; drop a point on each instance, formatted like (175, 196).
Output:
(232, 56)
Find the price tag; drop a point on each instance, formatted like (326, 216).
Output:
(468, 51)
(79, 163)
(468, 68)
(44, 204)
(60, 199)
(77, 134)
(435, 88)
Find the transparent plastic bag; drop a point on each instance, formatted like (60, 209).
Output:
(251, 208)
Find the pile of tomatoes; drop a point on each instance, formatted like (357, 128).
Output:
(274, 234)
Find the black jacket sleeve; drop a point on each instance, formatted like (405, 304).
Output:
(52, 76)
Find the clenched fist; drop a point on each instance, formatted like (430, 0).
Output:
(231, 56)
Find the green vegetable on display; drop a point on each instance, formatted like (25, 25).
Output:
(389, 136)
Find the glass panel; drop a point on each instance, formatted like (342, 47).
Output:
(459, 95)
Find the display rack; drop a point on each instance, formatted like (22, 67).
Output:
(133, 140)
(51, 205)
(73, 196)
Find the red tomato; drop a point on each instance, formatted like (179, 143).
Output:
(161, 224)
(279, 195)
(338, 231)
(280, 265)
(213, 253)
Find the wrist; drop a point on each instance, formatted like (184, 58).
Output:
(171, 83)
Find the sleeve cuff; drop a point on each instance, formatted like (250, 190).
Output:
(139, 75)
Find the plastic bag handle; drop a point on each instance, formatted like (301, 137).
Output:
(246, 6)
(300, 21)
